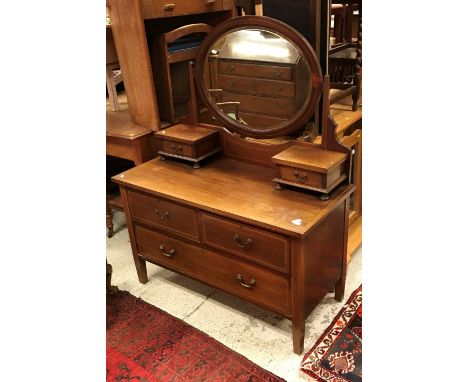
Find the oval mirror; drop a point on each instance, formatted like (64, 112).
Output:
(258, 76)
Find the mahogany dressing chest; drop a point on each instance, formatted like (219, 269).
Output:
(224, 223)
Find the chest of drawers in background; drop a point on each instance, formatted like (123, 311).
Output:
(269, 89)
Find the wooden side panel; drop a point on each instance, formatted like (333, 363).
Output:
(130, 40)
(324, 258)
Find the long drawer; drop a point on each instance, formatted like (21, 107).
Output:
(262, 105)
(255, 86)
(165, 214)
(168, 8)
(282, 73)
(257, 245)
(237, 277)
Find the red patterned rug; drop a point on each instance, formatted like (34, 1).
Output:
(145, 344)
(337, 355)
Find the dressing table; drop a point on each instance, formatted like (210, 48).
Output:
(223, 222)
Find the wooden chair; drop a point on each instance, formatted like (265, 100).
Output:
(113, 72)
(345, 58)
(171, 53)
(248, 6)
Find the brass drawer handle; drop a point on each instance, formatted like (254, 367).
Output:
(230, 68)
(176, 148)
(277, 73)
(163, 216)
(231, 82)
(248, 242)
(250, 285)
(299, 177)
(169, 254)
(169, 7)
(210, 2)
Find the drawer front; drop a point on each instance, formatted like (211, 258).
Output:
(177, 148)
(164, 214)
(302, 176)
(233, 276)
(254, 244)
(255, 86)
(261, 105)
(165, 250)
(246, 281)
(258, 71)
(169, 8)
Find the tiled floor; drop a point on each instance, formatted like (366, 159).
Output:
(259, 335)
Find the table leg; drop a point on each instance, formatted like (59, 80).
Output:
(140, 265)
(109, 223)
(298, 331)
(340, 288)
(297, 290)
(340, 284)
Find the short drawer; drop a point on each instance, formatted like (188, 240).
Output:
(282, 73)
(169, 8)
(261, 105)
(166, 251)
(257, 245)
(167, 215)
(255, 86)
(311, 178)
(301, 176)
(177, 148)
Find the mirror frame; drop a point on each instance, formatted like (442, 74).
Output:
(278, 27)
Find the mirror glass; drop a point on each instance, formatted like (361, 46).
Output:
(257, 78)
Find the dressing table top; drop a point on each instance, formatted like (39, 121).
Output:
(235, 189)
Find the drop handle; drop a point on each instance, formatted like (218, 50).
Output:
(300, 177)
(178, 147)
(169, 254)
(237, 240)
(169, 7)
(248, 285)
(277, 74)
(210, 2)
(165, 215)
(230, 68)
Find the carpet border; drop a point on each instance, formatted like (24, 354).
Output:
(329, 327)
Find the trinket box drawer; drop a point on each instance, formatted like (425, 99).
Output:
(164, 214)
(177, 148)
(310, 178)
(254, 244)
